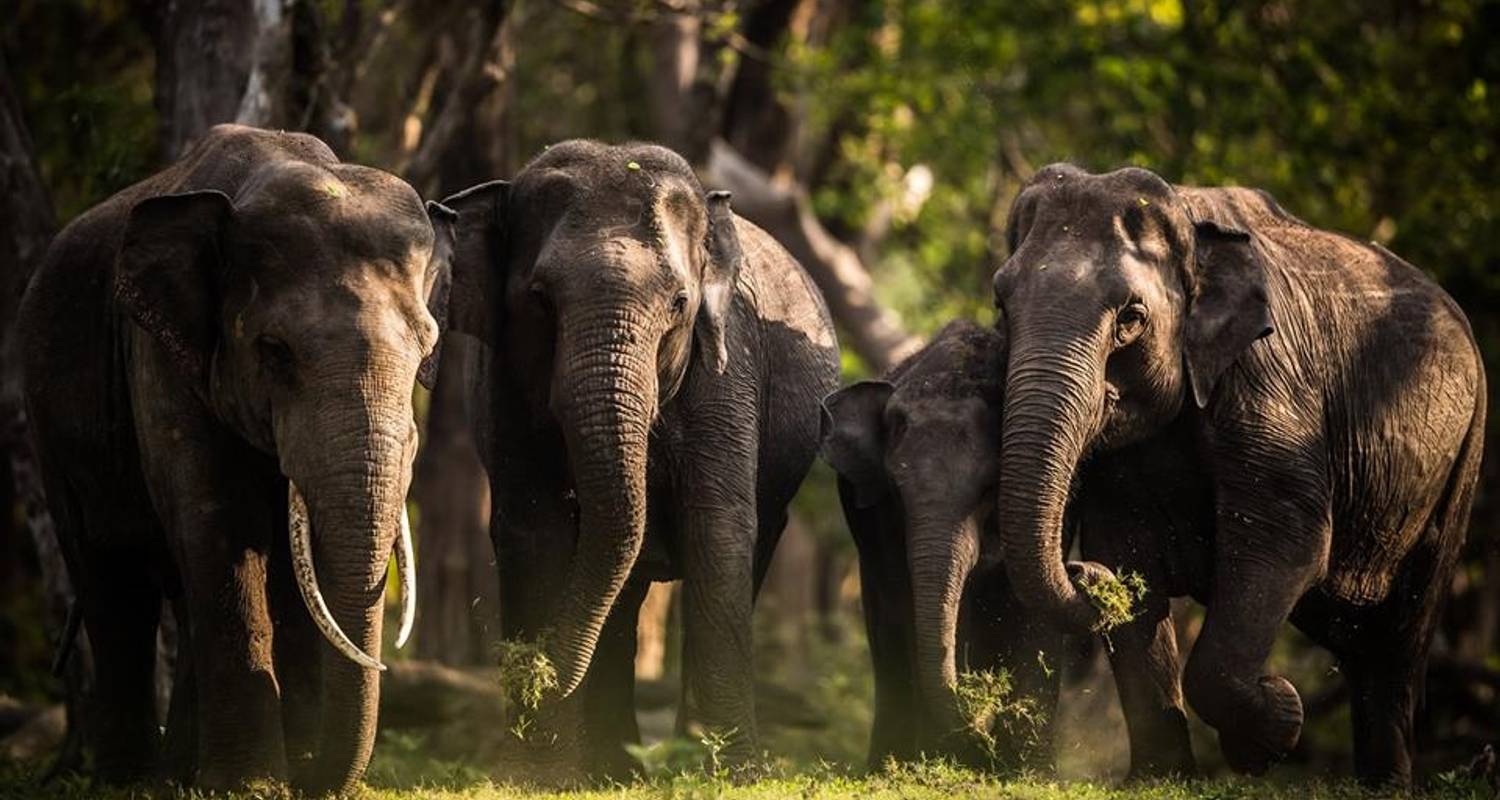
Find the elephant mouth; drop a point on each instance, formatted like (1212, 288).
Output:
(299, 531)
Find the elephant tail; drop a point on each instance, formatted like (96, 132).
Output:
(69, 635)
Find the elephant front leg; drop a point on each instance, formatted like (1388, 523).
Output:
(718, 531)
(1273, 542)
(239, 722)
(1148, 678)
(219, 524)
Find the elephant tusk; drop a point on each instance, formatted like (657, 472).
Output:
(299, 531)
(406, 574)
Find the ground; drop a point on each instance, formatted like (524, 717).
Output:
(912, 783)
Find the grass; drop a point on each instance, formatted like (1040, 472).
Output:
(526, 674)
(985, 701)
(1115, 597)
(914, 782)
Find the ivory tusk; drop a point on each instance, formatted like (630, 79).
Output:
(406, 574)
(299, 530)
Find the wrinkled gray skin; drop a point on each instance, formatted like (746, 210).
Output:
(1279, 421)
(917, 465)
(652, 389)
(255, 312)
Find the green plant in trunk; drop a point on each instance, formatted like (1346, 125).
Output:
(526, 676)
(1115, 597)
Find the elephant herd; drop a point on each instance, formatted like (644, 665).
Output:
(1188, 385)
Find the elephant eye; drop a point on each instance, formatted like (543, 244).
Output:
(275, 354)
(897, 425)
(538, 292)
(679, 303)
(1129, 323)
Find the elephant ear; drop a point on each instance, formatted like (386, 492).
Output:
(439, 284)
(168, 273)
(725, 257)
(1230, 310)
(476, 259)
(853, 438)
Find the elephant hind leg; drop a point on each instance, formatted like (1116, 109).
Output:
(121, 609)
(1382, 699)
(1386, 675)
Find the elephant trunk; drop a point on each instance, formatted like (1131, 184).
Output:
(605, 395)
(353, 515)
(1054, 406)
(942, 552)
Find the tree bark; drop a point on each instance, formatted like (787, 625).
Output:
(688, 100)
(490, 60)
(785, 211)
(25, 205)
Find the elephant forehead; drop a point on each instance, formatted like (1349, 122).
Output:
(359, 239)
(339, 208)
(610, 254)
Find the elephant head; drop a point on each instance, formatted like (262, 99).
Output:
(297, 311)
(926, 438)
(605, 273)
(1122, 301)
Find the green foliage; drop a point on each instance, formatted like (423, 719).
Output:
(923, 781)
(526, 674)
(91, 119)
(1116, 597)
(986, 702)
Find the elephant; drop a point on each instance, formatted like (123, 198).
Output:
(218, 364)
(1278, 421)
(648, 406)
(917, 462)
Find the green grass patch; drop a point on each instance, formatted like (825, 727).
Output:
(926, 781)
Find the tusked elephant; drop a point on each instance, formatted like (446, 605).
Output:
(650, 405)
(1279, 421)
(917, 459)
(219, 363)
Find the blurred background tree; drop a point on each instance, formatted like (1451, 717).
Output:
(881, 141)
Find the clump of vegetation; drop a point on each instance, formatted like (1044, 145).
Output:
(526, 673)
(1116, 598)
(986, 701)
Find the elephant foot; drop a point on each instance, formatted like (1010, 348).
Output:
(1252, 748)
(211, 781)
(551, 773)
(542, 749)
(1163, 750)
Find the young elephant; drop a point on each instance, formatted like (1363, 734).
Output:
(219, 363)
(651, 406)
(1279, 421)
(917, 461)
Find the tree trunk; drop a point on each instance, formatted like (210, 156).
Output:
(26, 207)
(487, 65)
(689, 102)
(651, 633)
(873, 330)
